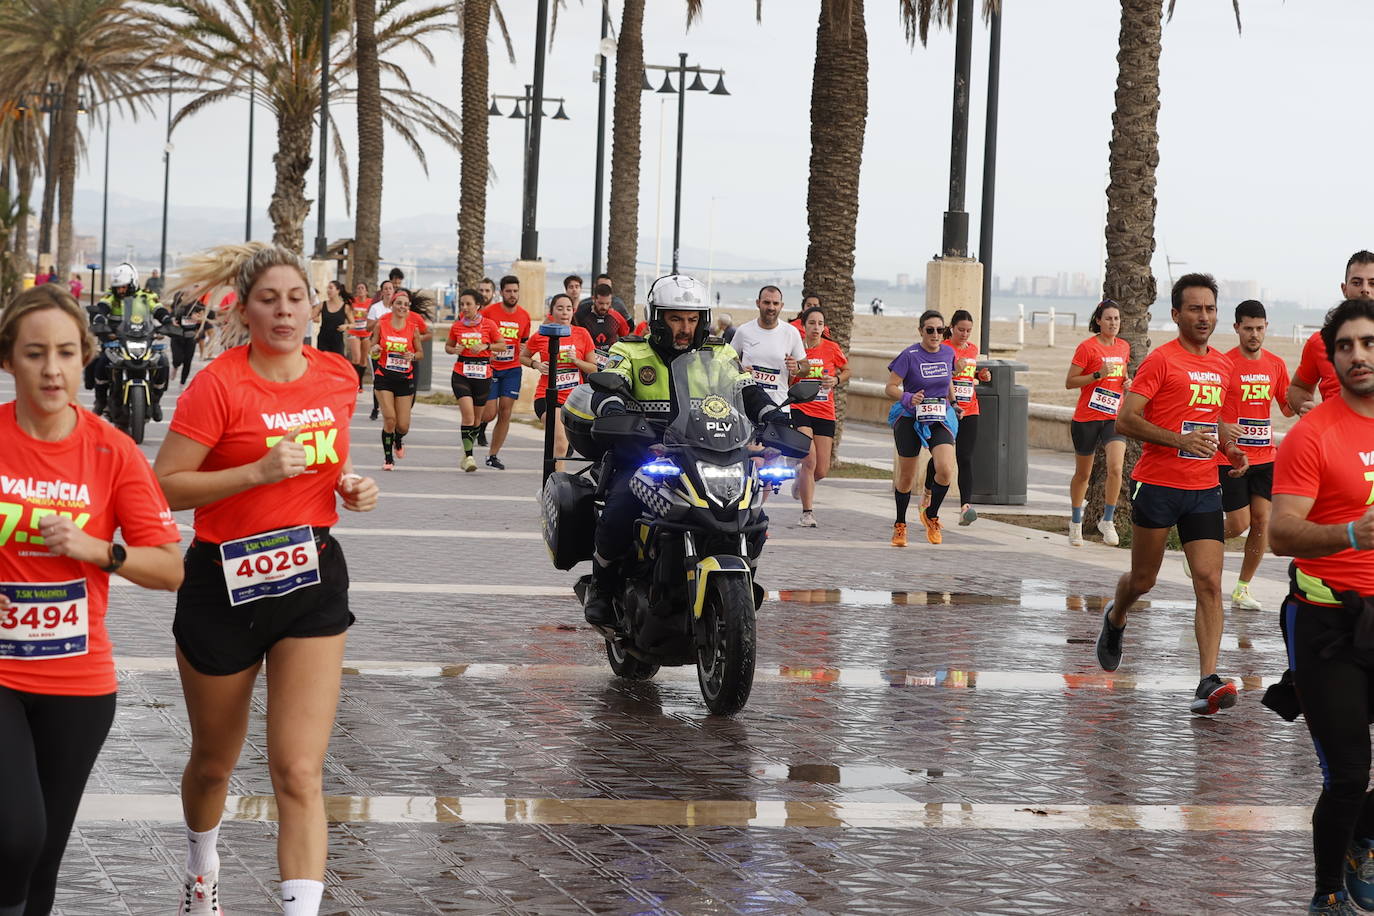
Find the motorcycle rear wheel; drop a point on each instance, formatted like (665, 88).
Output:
(138, 413)
(725, 664)
(627, 666)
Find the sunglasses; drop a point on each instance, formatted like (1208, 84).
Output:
(932, 329)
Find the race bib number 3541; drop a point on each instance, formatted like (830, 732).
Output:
(270, 564)
(45, 620)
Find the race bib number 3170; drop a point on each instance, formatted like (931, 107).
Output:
(270, 565)
(44, 620)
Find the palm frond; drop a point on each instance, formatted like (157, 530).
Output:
(1235, 5)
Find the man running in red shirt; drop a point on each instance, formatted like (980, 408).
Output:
(1314, 369)
(1174, 408)
(1259, 380)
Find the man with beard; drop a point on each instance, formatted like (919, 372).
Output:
(603, 323)
(1314, 372)
(1174, 409)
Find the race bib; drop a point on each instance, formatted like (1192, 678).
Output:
(505, 354)
(567, 378)
(45, 620)
(931, 409)
(396, 362)
(1189, 426)
(963, 391)
(270, 564)
(360, 324)
(1255, 433)
(1105, 400)
(474, 369)
(766, 378)
(600, 357)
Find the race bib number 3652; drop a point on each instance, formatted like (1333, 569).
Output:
(270, 564)
(45, 620)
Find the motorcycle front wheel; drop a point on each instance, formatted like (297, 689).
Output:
(725, 658)
(138, 413)
(627, 666)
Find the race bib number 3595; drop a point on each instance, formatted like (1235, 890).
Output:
(44, 620)
(270, 564)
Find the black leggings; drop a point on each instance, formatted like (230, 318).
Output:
(963, 456)
(183, 350)
(1334, 695)
(51, 743)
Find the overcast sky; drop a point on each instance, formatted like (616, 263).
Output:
(1264, 138)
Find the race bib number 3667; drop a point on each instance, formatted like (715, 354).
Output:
(270, 564)
(44, 620)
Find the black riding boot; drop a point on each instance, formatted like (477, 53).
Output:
(599, 608)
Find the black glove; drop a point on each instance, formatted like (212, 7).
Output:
(770, 414)
(610, 407)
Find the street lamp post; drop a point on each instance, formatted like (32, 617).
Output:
(529, 233)
(105, 200)
(681, 68)
(321, 240)
(530, 108)
(604, 50)
(955, 241)
(166, 181)
(989, 176)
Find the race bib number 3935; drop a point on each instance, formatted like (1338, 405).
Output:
(45, 620)
(270, 564)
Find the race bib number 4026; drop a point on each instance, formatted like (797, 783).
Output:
(270, 564)
(44, 620)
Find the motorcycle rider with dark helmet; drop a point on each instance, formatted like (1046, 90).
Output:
(109, 309)
(679, 322)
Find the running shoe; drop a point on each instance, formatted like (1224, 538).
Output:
(469, 463)
(373, 415)
(1108, 531)
(400, 451)
(388, 466)
(1359, 873)
(899, 534)
(1337, 904)
(494, 462)
(200, 894)
(482, 437)
(1075, 534)
(1241, 598)
(933, 529)
(808, 519)
(1213, 695)
(1109, 641)
(968, 516)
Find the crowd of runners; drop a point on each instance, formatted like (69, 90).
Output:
(260, 447)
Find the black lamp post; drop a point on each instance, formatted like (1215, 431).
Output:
(989, 176)
(697, 85)
(105, 200)
(530, 108)
(252, 105)
(602, 52)
(321, 241)
(166, 181)
(955, 241)
(529, 233)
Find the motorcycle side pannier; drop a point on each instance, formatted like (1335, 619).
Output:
(577, 420)
(569, 518)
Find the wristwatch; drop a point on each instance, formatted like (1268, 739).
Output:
(1097, 374)
(117, 557)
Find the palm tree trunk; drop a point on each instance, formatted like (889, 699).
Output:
(66, 173)
(623, 229)
(367, 227)
(839, 114)
(472, 190)
(49, 192)
(1133, 158)
(21, 231)
(289, 206)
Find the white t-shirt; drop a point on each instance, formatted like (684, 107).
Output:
(379, 308)
(765, 352)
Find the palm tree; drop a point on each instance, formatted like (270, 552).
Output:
(474, 18)
(367, 215)
(622, 235)
(21, 149)
(219, 50)
(1132, 159)
(84, 47)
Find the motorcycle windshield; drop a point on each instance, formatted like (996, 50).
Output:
(709, 410)
(138, 318)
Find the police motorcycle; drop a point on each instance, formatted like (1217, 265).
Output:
(688, 594)
(135, 350)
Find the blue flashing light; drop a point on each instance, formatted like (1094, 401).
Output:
(777, 473)
(660, 467)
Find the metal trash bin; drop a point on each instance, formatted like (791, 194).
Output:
(424, 369)
(1000, 456)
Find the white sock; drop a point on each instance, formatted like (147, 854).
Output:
(202, 858)
(301, 897)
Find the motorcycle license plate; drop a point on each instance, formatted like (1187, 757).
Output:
(270, 564)
(45, 620)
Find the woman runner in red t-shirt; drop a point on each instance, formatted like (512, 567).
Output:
(470, 339)
(825, 361)
(259, 448)
(74, 480)
(574, 359)
(395, 350)
(1098, 370)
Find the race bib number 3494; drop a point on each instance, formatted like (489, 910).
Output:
(270, 564)
(45, 620)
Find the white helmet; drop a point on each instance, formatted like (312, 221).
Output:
(124, 275)
(677, 293)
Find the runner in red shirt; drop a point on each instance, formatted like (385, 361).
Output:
(1174, 408)
(1324, 517)
(470, 339)
(1098, 371)
(574, 358)
(1314, 369)
(1259, 379)
(507, 376)
(71, 481)
(827, 362)
(966, 375)
(357, 331)
(259, 447)
(396, 348)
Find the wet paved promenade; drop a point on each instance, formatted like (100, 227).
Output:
(928, 732)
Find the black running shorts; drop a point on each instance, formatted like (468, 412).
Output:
(1197, 513)
(1236, 492)
(1087, 435)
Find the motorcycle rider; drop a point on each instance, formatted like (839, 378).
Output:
(679, 321)
(109, 310)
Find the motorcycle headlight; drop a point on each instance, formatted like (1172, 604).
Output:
(724, 483)
(136, 347)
